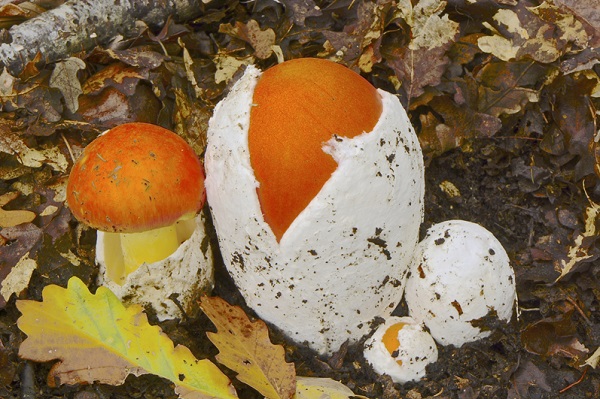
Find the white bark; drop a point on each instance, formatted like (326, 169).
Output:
(82, 24)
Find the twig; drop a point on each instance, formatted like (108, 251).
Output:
(565, 389)
(80, 25)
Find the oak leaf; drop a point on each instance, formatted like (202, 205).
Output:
(96, 338)
(322, 388)
(245, 348)
(64, 78)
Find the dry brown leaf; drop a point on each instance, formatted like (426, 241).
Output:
(543, 33)
(262, 41)
(244, 347)
(18, 278)
(119, 75)
(13, 217)
(12, 144)
(64, 78)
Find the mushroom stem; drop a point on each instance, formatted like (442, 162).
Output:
(125, 252)
(148, 246)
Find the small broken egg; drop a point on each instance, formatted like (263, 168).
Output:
(460, 274)
(315, 183)
(401, 348)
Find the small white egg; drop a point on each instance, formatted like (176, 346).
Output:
(401, 349)
(460, 273)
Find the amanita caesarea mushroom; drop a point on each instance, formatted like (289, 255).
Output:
(315, 183)
(401, 348)
(142, 187)
(459, 275)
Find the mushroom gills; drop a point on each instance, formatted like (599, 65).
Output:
(126, 252)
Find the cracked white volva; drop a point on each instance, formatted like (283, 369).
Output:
(186, 273)
(417, 349)
(344, 259)
(460, 274)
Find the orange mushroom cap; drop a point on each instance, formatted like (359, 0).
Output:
(136, 177)
(298, 106)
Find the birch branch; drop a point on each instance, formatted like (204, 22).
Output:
(80, 25)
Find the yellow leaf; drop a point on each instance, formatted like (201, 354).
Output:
(96, 338)
(245, 348)
(322, 388)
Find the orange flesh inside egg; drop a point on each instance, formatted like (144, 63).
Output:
(390, 339)
(298, 106)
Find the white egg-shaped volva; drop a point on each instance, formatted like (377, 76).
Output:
(323, 273)
(401, 348)
(170, 286)
(460, 274)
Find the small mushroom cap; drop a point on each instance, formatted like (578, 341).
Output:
(136, 177)
(401, 348)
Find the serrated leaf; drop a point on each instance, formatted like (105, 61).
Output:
(430, 28)
(64, 78)
(245, 348)
(322, 388)
(96, 338)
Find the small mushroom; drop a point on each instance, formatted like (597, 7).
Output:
(401, 349)
(315, 183)
(142, 187)
(459, 275)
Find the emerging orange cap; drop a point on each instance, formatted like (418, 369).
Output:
(298, 106)
(136, 177)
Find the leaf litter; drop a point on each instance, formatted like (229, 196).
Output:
(504, 97)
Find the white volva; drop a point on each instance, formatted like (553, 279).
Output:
(408, 362)
(182, 277)
(344, 259)
(460, 274)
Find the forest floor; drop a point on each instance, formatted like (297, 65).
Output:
(503, 95)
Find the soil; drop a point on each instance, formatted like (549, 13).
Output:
(530, 182)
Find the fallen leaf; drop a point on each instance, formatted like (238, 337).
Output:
(7, 367)
(528, 375)
(11, 143)
(97, 339)
(593, 360)
(227, 65)
(358, 44)
(579, 252)
(430, 28)
(262, 41)
(322, 388)
(459, 124)
(64, 78)
(18, 278)
(13, 217)
(302, 9)
(554, 336)
(505, 88)
(7, 83)
(188, 63)
(422, 63)
(586, 11)
(121, 76)
(245, 348)
(543, 33)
